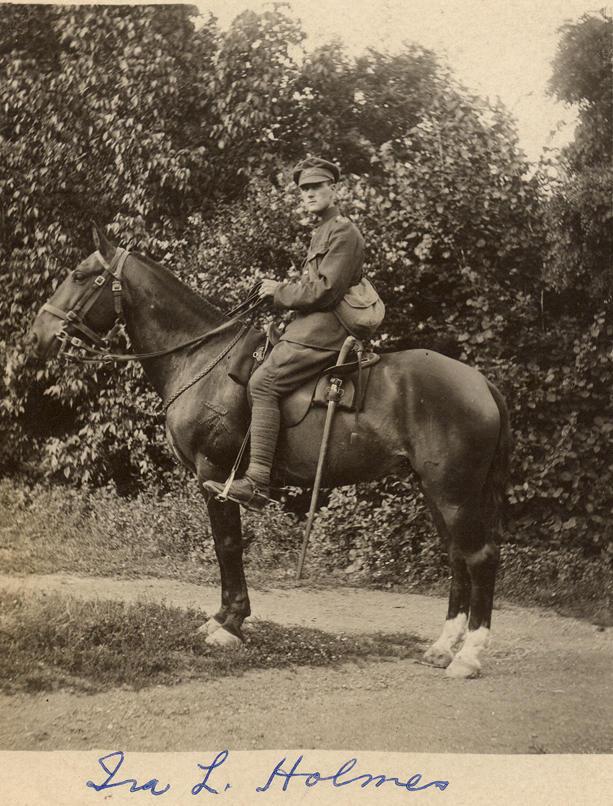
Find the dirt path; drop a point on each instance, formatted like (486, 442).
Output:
(547, 685)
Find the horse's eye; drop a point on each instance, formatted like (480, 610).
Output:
(78, 277)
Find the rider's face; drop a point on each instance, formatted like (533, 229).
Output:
(318, 196)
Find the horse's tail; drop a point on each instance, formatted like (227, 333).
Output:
(494, 491)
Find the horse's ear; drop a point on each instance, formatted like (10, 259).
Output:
(101, 242)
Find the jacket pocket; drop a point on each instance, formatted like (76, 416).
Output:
(317, 252)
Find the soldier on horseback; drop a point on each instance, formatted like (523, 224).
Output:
(425, 414)
(330, 300)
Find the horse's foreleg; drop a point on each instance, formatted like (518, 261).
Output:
(224, 629)
(482, 566)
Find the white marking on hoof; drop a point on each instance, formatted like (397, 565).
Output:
(466, 663)
(438, 656)
(440, 653)
(460, 668)
(225, 639)
(209, 627)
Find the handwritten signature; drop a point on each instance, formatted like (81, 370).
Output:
(281, 777)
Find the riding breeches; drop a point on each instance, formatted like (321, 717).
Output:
(287, 367)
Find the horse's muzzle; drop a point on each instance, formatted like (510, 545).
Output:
(39, 343)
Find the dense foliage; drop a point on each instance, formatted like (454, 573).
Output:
(580, 215)
(179, 137)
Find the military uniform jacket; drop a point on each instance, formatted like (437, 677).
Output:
(332, 265)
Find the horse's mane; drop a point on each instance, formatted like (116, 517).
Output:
(181, 290)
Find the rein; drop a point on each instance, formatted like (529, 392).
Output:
(97, 354)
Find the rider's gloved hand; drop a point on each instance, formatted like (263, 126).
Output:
(268, 288)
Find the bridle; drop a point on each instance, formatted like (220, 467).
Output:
(75, 318)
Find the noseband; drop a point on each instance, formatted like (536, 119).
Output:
(76, 316)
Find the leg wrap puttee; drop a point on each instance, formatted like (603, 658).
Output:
(265, 423)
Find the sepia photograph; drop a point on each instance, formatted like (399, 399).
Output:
(306, 402)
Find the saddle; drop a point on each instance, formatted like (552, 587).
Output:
(314, 393)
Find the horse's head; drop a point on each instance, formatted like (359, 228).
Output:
(86, 305)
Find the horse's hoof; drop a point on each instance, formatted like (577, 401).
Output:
(224, 639)
(438, 656)
(209, 627)
(463, 668)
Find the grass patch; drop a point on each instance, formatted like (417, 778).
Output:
(52, 642)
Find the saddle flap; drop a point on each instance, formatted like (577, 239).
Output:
(295, 407)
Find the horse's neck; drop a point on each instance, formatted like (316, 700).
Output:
(161, 312)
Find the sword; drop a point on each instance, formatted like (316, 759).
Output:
(335, 393)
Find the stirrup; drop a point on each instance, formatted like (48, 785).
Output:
(255, 499)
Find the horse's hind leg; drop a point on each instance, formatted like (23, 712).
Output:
(224, 629)
(442, 651)
(482, 565)
(474, 561)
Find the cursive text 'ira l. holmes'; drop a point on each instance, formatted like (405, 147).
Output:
(284, 774)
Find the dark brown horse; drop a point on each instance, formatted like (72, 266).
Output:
(425, 414)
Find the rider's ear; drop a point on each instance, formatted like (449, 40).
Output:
(102, 244)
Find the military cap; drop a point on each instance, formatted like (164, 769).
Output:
(315, 169)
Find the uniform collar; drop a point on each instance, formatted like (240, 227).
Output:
(330, 213)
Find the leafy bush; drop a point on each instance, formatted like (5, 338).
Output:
(579, 212)
(181, 140)
(560, 577)
(96, 532)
